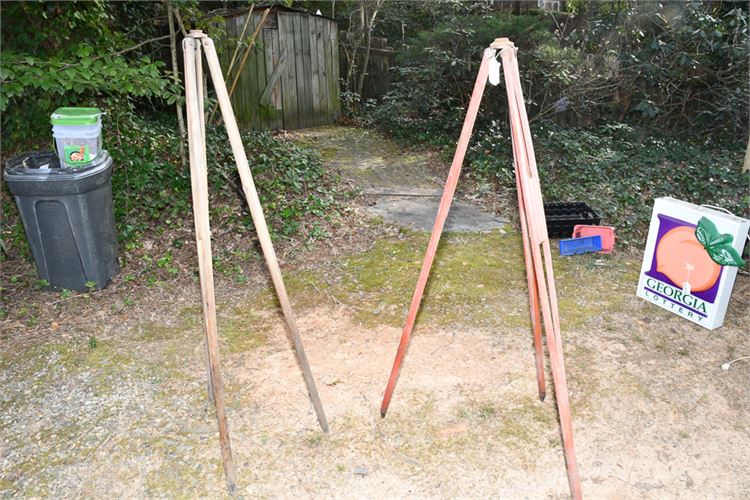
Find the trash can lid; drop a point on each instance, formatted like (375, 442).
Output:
(76, 116)
(45, 166)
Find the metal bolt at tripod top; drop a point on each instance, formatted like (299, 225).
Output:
(196, 34)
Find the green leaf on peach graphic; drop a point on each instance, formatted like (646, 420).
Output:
(725, 255)
(719, 246)
(706, 231)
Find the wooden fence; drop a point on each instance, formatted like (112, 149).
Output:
(291, 78)
(382, 59)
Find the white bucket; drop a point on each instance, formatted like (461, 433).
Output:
(77, 144)
(78, 135)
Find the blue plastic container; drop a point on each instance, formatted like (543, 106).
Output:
(580, 245)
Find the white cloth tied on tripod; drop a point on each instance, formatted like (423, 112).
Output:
(494, 75)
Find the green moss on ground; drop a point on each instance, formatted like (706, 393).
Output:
(153, 330)
(477, 280)
(369, 158)
(242, 333)
(470, 277)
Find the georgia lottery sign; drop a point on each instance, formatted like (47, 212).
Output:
(691, 260)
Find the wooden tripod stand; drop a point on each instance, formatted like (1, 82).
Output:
(192, 46)
(537, 254)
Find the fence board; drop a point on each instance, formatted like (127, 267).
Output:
(257, 75)
(246, 87)
(275, 116)
(229, 40)
(300, 76)
(378, 75)
(327, 72)
(288, 80)
(277, 89)
(336, 77)
(315, 73)
(320, 41)
(307, 64)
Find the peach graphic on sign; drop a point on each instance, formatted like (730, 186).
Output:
(685, 261)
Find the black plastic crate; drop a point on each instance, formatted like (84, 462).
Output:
(563, 216)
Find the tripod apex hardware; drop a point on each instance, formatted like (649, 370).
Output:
(194, 94)
(501, 43)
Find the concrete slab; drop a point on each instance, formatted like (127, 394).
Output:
(418, 212)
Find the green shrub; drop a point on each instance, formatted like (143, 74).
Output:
(680, 64)
(78, 54)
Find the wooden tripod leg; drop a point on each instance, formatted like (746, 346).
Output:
(261, 228)
(547, 253)
(437, 229)
(532, 197)
(559, 379)
(198, 177)
(199, 91)
(538, 206)
(536, 320)
(554, 340)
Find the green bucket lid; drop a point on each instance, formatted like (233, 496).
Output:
(76, 116)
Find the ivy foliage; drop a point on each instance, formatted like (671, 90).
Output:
(296, 192)
(619, 170)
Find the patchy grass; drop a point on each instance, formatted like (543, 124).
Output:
(176, 477)
(155, 331)
(243, 333)
(476, 280)
(45, 364)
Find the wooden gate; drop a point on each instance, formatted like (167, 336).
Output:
(291, 78)
(382, 58)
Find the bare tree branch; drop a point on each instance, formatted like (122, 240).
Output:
(176, 79)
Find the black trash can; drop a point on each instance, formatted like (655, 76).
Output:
(68, 217)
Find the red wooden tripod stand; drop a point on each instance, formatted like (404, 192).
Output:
(536, 248)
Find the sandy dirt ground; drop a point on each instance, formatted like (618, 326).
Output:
(111, 401)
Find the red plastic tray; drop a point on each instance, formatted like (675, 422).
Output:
(606, 232)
